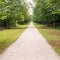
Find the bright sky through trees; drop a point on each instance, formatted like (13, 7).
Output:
(30, 4)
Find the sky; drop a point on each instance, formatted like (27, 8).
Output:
(31, 4)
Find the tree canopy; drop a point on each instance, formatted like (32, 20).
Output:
(12, 12)
(47, 12)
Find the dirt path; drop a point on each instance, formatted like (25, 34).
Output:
(31, 45)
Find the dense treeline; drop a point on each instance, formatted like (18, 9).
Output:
(13, 12)
(47, 12)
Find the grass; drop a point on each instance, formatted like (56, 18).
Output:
(52, 35)
(8, 36)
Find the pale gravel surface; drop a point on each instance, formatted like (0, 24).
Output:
(31, 45)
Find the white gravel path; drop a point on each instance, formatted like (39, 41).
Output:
(31, 45)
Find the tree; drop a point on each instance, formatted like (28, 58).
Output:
(47, 12)
(10, 12)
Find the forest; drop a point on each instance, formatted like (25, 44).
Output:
(13, 12)
(47, 12)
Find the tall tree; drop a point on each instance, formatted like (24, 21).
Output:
(10, 12)
(47, 12)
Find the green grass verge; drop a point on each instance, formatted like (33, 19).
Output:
(8, 36)
(51, 34)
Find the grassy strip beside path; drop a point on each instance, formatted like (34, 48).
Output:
(8, 36)
(52, 35)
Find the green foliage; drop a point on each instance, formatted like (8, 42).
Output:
(47, 12)
(10, 12)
